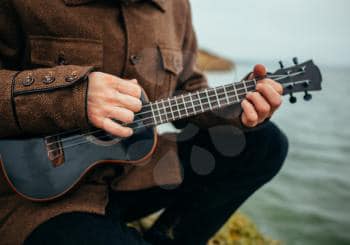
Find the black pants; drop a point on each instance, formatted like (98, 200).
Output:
(217, 180)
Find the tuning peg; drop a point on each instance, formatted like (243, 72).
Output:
(295, 61)
(306, 84)
(293, 99)
(281, 64)
(307, 96)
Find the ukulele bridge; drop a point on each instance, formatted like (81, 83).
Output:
(54, 150)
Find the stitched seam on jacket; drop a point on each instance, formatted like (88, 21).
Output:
(15, 93)
(13, 103)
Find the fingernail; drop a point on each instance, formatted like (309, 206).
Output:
(260, 70)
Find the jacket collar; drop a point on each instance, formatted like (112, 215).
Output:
(160, 3)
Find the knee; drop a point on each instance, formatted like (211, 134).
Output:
(276, 152)
(268, 148)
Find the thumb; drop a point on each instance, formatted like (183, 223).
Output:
(260, 71)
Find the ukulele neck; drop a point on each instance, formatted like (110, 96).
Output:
(188, 105)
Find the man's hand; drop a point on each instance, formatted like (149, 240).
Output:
(260, 105)
(111, 98)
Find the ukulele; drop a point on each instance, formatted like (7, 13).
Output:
(43, 169)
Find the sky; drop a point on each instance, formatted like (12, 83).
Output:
(256, 30)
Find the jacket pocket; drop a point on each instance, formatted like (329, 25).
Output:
(52, 51)
(172, 65)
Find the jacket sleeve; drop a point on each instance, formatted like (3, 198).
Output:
(37, 101)
(192, 79)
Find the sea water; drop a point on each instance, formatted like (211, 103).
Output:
(309, 202)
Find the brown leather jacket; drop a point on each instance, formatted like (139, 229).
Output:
(47, 50)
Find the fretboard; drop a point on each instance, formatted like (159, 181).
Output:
(191, 104)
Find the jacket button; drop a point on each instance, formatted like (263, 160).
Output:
(48, 79)
(72, 77)
(29, 80)
(135, 59)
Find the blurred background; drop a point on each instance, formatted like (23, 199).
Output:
(309, 202)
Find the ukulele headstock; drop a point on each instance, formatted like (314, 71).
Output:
(304, 77)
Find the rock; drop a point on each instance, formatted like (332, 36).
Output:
(209, 62)
(239, 230)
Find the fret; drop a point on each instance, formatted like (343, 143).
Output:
(159, 113)
(168, 110)
(171, 109)
(188, 104)
(207, 93)
(163, 111)
(196, 103)
(236, 93)
(240, 91)
(226, 95)
(205, 100)
(245, 86)
(194, 109)
(175, 107)
(232, 95)
(239, 87)
(222, 96)
(200, 101)
(217, 97)
(181, 106)
(213, 100)
(184, 104)
(155, 114)
(154, 117)
(165, 114)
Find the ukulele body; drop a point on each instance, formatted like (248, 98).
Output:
(37, 176)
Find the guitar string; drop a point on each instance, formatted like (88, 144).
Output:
(147, 105)
(183, 103)
(165, 113)
(269, 76)
(143, 126)
(152, 124)
(162, 112)
(188, 96)
(203, 91)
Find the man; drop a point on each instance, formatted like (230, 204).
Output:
(68, 64)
